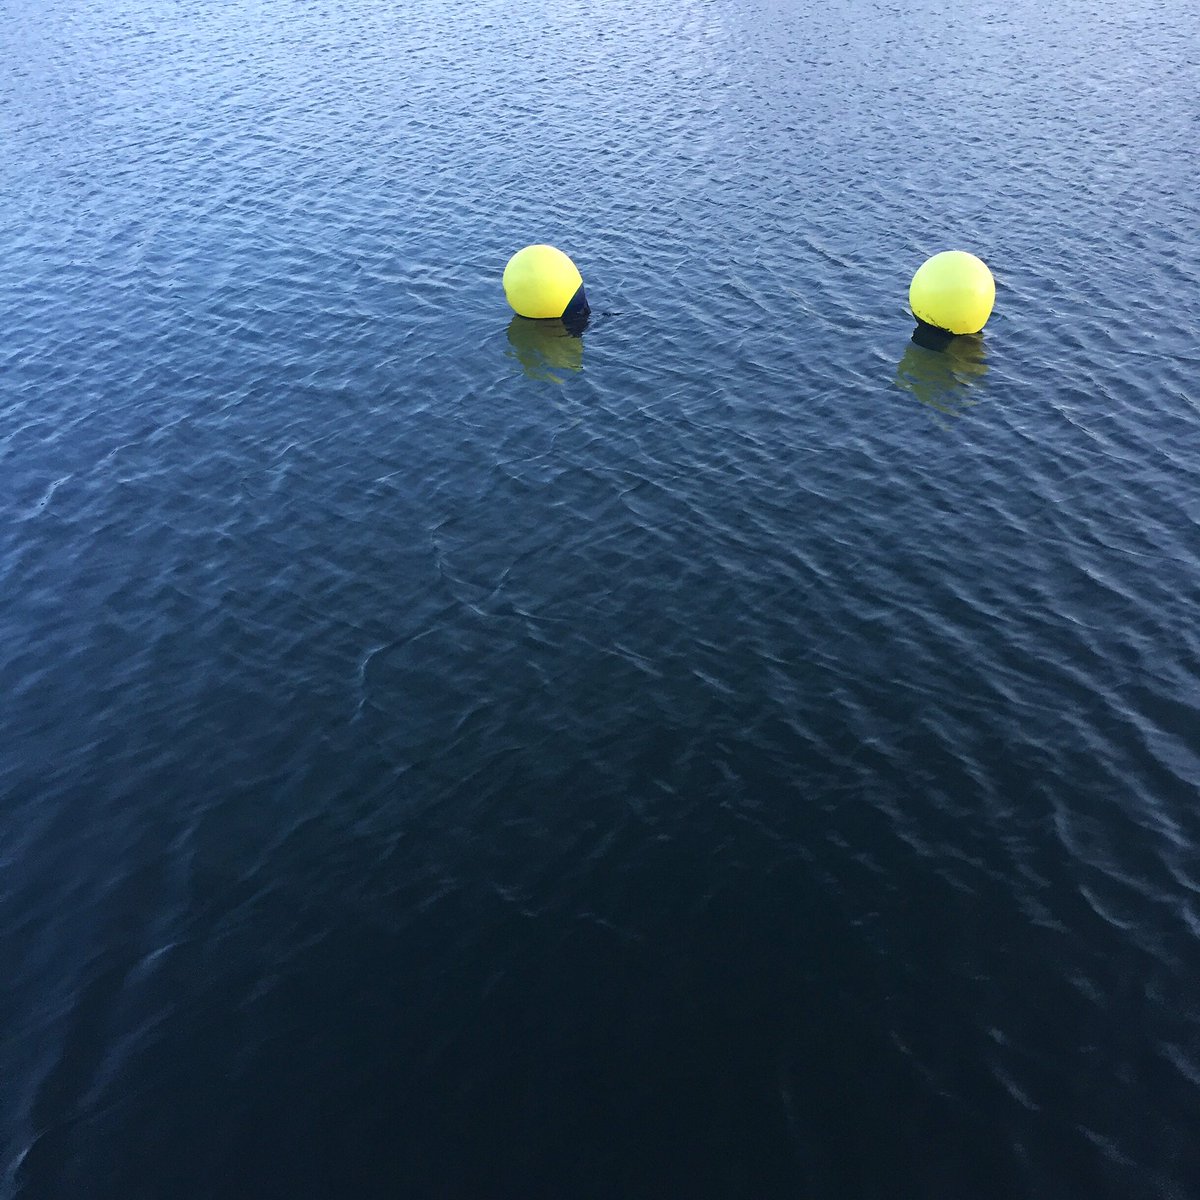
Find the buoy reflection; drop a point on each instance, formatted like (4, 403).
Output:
(942, 371)
(544, 347)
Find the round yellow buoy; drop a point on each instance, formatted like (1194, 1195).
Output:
(541, 281)
(953, 291)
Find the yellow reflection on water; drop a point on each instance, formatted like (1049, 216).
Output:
(544, 347)
(944, 373)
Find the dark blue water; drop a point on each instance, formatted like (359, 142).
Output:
(736, 753)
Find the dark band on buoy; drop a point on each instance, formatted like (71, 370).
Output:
(577, 305)
(575, 315)
(930, 336)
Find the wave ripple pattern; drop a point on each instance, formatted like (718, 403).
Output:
(735, 753)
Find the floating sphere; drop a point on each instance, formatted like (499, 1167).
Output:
(953, 291)
(543, 282)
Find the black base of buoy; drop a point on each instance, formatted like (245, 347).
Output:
(575, 315)
(931, 337)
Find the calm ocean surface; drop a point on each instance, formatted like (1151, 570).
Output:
(738, 753)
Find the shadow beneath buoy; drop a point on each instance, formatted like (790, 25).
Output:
(543, 347)
(943, 370)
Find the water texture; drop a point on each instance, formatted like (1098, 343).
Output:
(739, 752)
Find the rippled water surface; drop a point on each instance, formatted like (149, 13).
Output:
(737, 753)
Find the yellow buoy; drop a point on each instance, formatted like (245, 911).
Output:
(541, 281)
(953, 291)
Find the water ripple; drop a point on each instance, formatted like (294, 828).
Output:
(727, 753)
